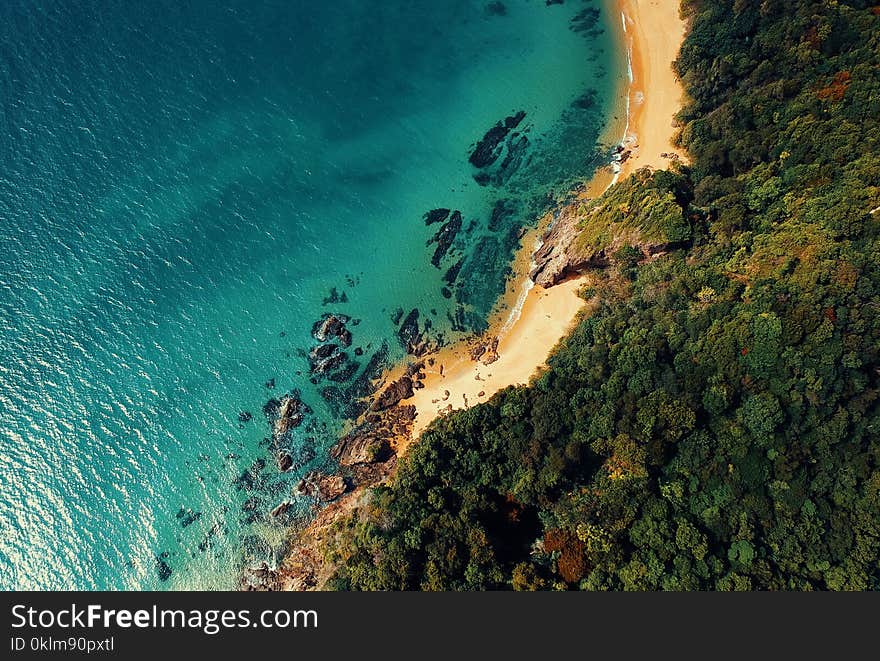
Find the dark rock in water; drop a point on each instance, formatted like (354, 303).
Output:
(554, 2)
(488, 149)
(409, 333)
(444, 238)
(251, 477)
(335, 297)
(436, 216)
(396, 391)
(346, 371)
(358, 351)
(187, 517)
(587, 21)
(163, 571)
(452, 274)
(322, 486)
(496, 9)
(445, 292)
(330, 326)
(291, 413)
(360, 448)
(502, 213)
(396, 316)
(270, 408)
(208, 541)
(245, 416)
(270, 383)
(284, 460)
(587, 101)
(516, 151)
(324, 358)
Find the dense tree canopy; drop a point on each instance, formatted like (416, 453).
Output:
(714, 424)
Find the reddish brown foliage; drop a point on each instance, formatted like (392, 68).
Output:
(837, 89)
(571, 564)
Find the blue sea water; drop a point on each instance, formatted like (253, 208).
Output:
(182, 185)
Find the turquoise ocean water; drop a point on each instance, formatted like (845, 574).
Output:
(183, 185)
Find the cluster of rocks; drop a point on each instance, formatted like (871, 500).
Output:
(322, 486)
(414, 333)
(498, 140)
(328, 359)
(486, 351)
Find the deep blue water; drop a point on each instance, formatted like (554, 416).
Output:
(182, 184)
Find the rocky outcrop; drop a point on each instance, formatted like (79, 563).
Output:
(362, 446)
(332, 326)
(413, 338)
(321, 486)
(436, 216)
(444, 238)
(396, 391)
(558, 257)
(324, 358)
(562, 254)
(488, 149)
(291, 413)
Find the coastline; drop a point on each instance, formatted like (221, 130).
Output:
(530, 320)
(652, 35)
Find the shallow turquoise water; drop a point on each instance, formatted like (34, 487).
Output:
(182, 185)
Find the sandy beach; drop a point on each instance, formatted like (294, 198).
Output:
(531, 324)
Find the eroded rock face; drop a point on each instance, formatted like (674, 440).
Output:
(361, 447)
(559, 256)
(396, 391)
(322, 486)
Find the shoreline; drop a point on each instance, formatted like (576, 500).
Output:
(527, 332)
(529, 320)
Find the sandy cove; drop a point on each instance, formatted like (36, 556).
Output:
(653, 32)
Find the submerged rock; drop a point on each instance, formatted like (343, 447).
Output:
(436, 216)
(488, 149)
(444, 238)
(186, 517)
(163, 570)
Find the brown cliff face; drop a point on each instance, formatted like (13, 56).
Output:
(558, 258)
